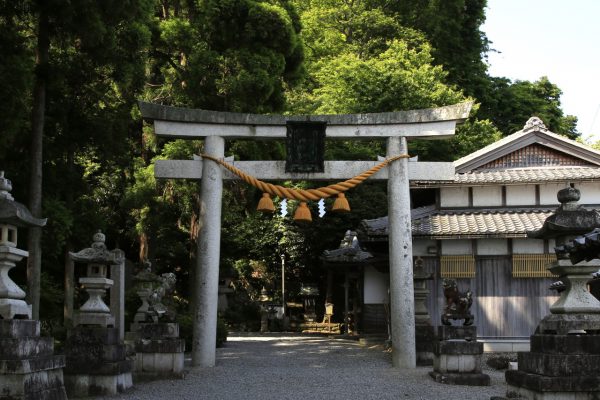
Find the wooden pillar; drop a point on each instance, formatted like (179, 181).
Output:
(207, 260)
(400, 255)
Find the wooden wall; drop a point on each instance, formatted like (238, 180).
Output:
(503, 306)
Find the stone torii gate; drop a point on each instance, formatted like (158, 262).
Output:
(216, 127)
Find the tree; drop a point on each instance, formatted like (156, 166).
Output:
(79, 86)
(511, 104)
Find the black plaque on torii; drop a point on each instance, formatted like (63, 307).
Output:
(305, 145)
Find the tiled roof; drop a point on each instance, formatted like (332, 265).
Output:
(528, 175)
(480, 224)
(466, 224)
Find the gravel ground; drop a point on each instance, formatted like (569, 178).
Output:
(307, 367)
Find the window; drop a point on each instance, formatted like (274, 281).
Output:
(459, 266)
(532, 265)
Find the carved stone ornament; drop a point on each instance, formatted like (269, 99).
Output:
(458, 304)
(97, 253)
(535, 123)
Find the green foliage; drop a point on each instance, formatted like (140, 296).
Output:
(231, 55)
(511, 104)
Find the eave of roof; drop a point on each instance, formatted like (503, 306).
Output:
(518, 176)
(533, 132)
(471, 224)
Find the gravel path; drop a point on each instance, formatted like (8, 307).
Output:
(301, 367)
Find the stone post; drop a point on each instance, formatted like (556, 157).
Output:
(69, 291)
(207, 263)
(400, 255)
(117, 293)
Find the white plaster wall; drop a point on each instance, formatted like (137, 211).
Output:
(520, 195)
(590, 192)
(487, 196)
(420, 247)
(528, 246)
(375, 286)
(492, 247)
(548, 193)
(454, 197)
(456, 247)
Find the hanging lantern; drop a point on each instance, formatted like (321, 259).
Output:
(341, 204)
(266, 204)
(302, 213)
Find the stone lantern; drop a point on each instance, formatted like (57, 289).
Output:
(28, 367)
(563, 360)
(12, 215)
(97, 258)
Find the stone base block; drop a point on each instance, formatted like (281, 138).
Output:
(38, 385)
(457, 363)
(520, 393)
(159, 330)
(563, 324)
(9, 308)
(424, 339)
(25, 347)
(560, 364)
(461, 379)
(105, 320)
(457, 347)
(84, 385)
(17, 328)
(445, 332)
(158, 365)
(565, 344)
(555, 384)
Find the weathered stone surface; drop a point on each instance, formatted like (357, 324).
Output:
(563, 324)
(99, 368)
(445, 332)
(160, 346)
(84, 385)
(16, 349)
(90, 334)
(566, 344)
(17, 328)
(540, 383)
(465, 363)
(461, 379)
(32, 364)
(457, 347)
(45, 384)
(560, 364)
(160, 330)
(163, 364)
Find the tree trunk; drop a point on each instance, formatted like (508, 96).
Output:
(34, 244)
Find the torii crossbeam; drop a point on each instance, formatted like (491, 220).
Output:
(216, 127)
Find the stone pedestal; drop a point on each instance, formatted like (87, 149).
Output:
(424, 339)
(159, 353)
(560, 365)
(457, 357)
(96, 362)
(29, 370)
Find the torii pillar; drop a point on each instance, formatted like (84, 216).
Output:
(215, 127)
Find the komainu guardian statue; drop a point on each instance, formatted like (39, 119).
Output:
(458, 304)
